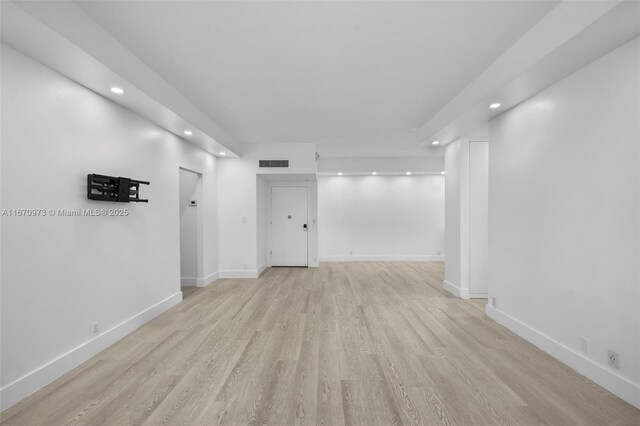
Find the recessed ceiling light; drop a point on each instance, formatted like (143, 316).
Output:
(188, 132)
(223, 153)
(339, 173)
(117, 90)
(442, 173)
(374, 173)
(408, 173)
(494, 105)
(435, 143)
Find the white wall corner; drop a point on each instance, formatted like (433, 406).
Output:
(209, 279)
(455, 290)
(42, 376)
(262, 269)
(188, 281)
(600, 374)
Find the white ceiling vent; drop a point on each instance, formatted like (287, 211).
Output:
(273, 163)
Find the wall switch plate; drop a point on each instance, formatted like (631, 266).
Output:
(613, 359)
(584, 345)
(244, 219)
(494, 302)
(95, 327)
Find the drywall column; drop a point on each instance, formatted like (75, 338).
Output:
(478, 219)
(458, 196)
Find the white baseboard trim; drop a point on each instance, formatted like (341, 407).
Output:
(455, 290)
(262, 269)
(188, 281)
(230, 273)
(382, 259)
(478, 295)
(209, 279)
(600, 374)
(42, 376)
(199, 282)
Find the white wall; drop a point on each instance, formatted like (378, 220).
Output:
(381, 217)
(434, 164)
(60, 274)
(564, 219)
(238, 201)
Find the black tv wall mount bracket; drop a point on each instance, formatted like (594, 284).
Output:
(111, 188)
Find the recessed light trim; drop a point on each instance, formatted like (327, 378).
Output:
(495, 105)
(188, 132)
(117, 90)
(435, 143)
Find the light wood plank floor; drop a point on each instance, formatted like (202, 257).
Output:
(346, 344)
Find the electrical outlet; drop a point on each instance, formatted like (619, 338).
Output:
(613, 359)
(494, 302)
(584, 345)
(245, 266)
(95, 327)
(350, 252)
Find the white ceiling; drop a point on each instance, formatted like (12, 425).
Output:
(357, 78)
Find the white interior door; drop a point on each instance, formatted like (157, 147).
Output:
(289, 226)
(478, 219)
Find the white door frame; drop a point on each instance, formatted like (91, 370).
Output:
(270, 187)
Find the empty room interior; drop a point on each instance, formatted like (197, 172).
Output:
(320, 212)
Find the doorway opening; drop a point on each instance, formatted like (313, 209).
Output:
(190, 196)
